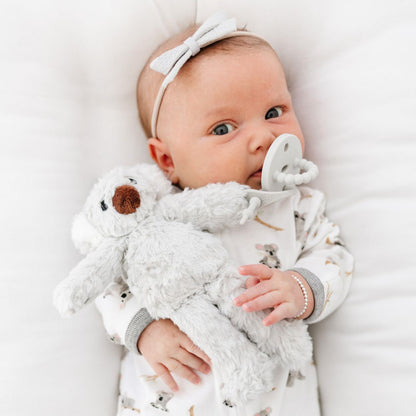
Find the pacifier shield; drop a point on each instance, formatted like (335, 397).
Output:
(281, 158)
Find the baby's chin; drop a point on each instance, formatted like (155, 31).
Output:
(254, 183)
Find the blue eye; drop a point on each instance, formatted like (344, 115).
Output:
(222, 129)
(274, 112)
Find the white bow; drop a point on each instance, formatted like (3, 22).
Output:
(213, 29)
(216, 27)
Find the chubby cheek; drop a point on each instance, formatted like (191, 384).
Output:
(194, 174)
(295, 129)
(214, 172)
(201, 165)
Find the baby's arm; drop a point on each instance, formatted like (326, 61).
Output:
(324, 261)
(162, 344)
(272, 288)
(168, 350)
(211, 208)
(123, 317)
(324, 267)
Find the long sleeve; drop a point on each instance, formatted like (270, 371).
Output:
(323, 261)
(123, 317)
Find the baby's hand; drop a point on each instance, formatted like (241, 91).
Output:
(167, 349)
(272, 288)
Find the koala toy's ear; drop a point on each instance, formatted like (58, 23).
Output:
(156, 178)
(86, 238)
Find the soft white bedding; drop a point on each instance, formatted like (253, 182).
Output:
(67, 113)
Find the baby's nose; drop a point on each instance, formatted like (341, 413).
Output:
(126, 199)
(261, 139)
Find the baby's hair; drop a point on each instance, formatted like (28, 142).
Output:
(149, 80)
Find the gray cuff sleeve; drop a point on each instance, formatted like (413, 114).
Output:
(137, 325)
(318, 291)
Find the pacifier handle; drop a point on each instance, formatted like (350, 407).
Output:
(310, 172)
(284, 167)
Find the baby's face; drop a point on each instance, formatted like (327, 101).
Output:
(218, 120)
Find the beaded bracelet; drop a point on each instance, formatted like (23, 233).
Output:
(305, 296)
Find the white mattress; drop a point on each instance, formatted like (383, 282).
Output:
(67, 114)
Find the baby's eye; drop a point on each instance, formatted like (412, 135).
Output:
(222, 129)
(274, 112)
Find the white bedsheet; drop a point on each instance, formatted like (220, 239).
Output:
(67, 114)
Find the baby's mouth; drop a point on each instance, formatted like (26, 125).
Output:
(257, 173)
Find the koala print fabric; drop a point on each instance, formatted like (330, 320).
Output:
(270, 255)
(141, 392)
(291, 232)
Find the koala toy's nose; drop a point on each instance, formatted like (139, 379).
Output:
(126, 199)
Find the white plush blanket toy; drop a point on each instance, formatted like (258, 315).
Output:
(133, 225)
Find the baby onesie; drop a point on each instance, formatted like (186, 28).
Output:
(290, 232)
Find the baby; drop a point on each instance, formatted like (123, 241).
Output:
(212, 100)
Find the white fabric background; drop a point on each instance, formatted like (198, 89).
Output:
(67, 114)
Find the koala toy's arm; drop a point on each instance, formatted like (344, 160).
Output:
(89, 277)
(211, 208)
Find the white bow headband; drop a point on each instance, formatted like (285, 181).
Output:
(215, 28)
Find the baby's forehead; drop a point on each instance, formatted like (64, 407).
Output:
(239, 67)
(217, 55)
(150, 81)
(218, 85)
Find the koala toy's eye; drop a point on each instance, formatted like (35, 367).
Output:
(133, 181)
(104, 206)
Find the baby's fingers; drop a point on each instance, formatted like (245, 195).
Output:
(261, 271)
(190, 347)
(192, 361)
(251, 281)
(252, 293)
(281, 312)
(165, 375)
(186, 373)
(266, 301)
(176, 366)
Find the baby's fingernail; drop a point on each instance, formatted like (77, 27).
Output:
(246, 307)
(236, 302)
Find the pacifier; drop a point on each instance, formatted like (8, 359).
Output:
(284, 167)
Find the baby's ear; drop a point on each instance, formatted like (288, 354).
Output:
(86, 238)
(160, 153)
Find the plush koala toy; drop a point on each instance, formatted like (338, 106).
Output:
(134, 225)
